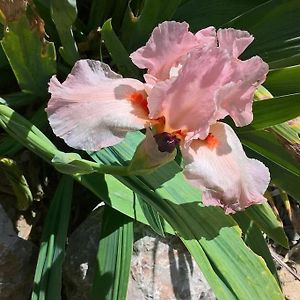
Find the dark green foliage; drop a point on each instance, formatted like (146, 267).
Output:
(110, 30)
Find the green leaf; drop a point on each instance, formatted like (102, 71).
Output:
(118, 196)
(285, 173)
(70, 163)
(99, 12)
(204, 13)
(284, 81)
(264, 218)
(48, 274)
(117, 51)
(113, 257)
(255, 240)
(43, 9)
(18, 183)
(3, 60)
(122, 198)
(268, 146)
(18, 99)
(274, 25)
(165, 179)
(31, 137)
(240, 273)
(9, 146)
(137, 29)
(288, 133)
(32, 61)
(217, 235)
(154, 219)
(26, 133)
(103, 10)
(64, 14)
(273, 111)
(207, 230)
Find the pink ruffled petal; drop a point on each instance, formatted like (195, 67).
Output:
(235, 98)
(168, 42)
(234, 41)
(207, 36)
(211, 85)
(221, 169)
(94, 107)
(187, 102)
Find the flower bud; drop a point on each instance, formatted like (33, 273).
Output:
(153, 152)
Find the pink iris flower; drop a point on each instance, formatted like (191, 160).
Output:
(192, 81)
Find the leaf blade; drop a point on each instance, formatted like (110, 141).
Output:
(113, 257)
(209, 227)
(117, 51)
(273, 111)
(48, 275)
(32, 61)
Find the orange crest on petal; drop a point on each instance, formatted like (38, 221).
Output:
(211, 141)
(139, 99)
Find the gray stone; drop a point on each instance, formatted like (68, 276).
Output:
(161, 268)
(78, 268)
(17, 262)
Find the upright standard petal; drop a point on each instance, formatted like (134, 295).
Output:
(187, 102)
(234, 41)
(235, 97)
(168, 43)
(94, 107)
(219, 166)
(207, 37)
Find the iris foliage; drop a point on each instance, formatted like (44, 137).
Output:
(48, 36)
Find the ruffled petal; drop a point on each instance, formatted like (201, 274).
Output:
(234, 41)
(168, 42)
(207, 37)
(221, 169)
(235, 98)
(187, 102)
(94, 107)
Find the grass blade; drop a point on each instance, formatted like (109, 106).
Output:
(48, 274)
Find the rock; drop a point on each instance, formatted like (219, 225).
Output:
(290, 284)
(161, 268)
(80, 260)
(17, 262)
(294, 254)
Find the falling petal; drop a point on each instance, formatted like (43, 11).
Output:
(221, 169)
(94, 107)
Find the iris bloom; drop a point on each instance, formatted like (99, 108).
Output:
(192, 81)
